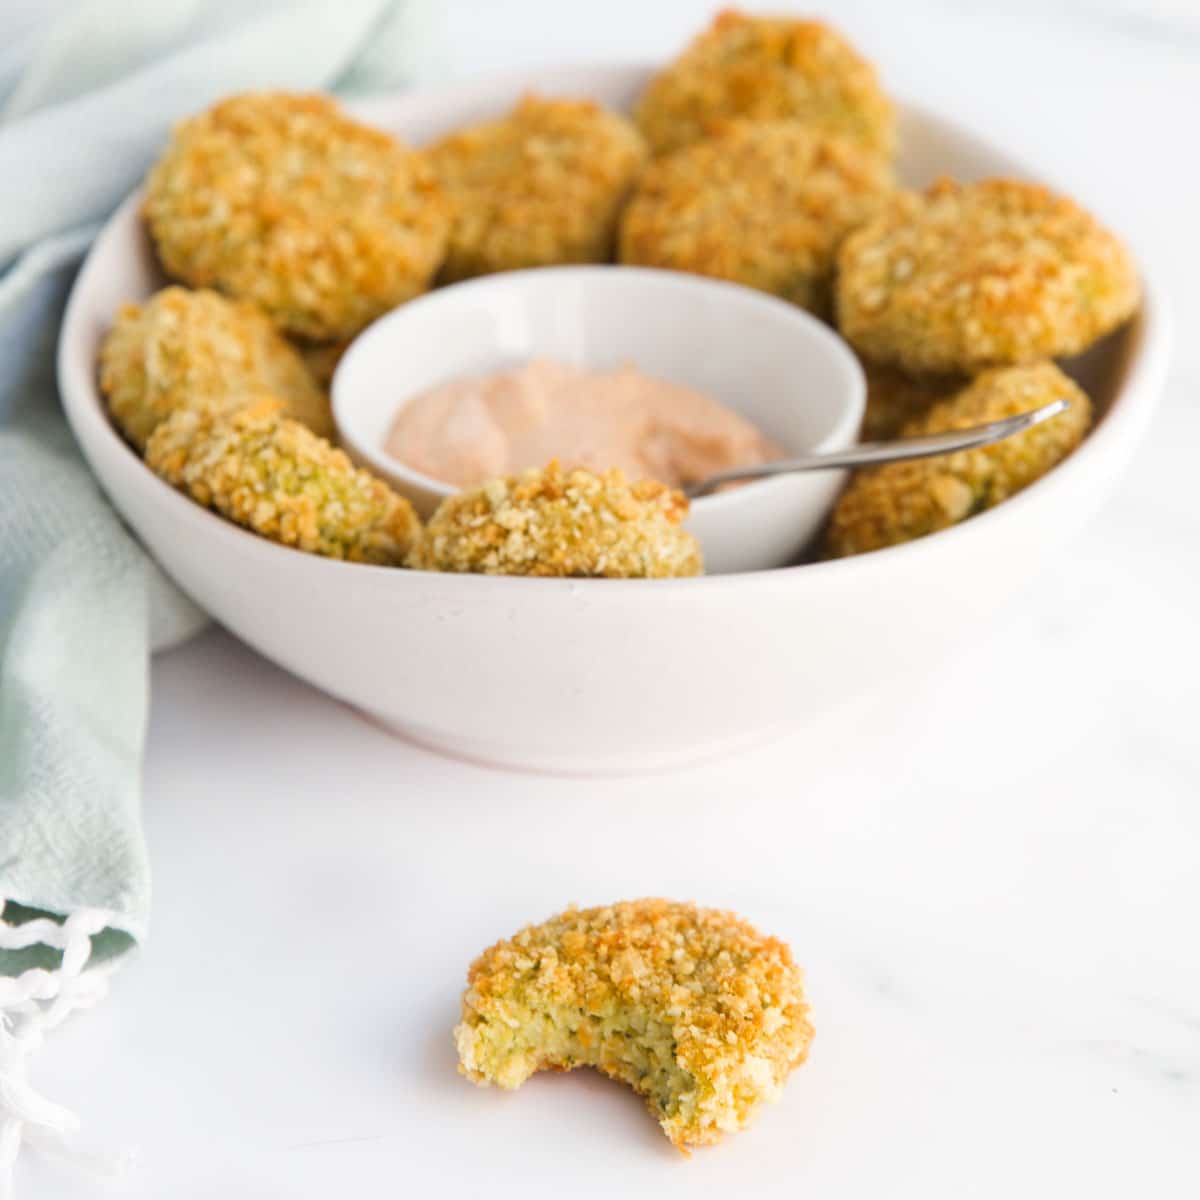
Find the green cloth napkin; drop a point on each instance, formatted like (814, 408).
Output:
(86, 101)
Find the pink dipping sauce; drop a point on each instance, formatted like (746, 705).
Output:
(469, 430)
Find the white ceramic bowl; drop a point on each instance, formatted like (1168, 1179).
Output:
(785, 371)
(603, 674)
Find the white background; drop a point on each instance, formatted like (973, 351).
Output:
(994, 881)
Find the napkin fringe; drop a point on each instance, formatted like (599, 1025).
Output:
(32, 1004)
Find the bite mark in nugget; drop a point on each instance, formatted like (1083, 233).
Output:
(692, 1007)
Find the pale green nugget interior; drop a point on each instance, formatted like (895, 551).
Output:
(691, 1007)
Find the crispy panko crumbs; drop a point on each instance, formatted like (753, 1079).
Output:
(271, 475)
(962, 277)
(555, 522)
(692, 1007)
(883, 506)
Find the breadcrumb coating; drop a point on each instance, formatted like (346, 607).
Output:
(894, 399)
(271, 475)
(197, 350)
(764, 68)
(692, 1007)
(763, 203)
(542, 185)
(282, 199)
(963, 277)
(556, 522)
(901, 501)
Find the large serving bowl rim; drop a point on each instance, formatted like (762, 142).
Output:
(1130, 408)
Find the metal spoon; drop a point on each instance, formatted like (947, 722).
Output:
(867, 454)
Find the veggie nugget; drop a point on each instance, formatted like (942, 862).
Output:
(273, 476)
(197, 350)
(965, 277)
(764, 68)
(555, 522)
(692, 1007)
(764, 203)
(284, 200)
(542, 185)
(886, 505)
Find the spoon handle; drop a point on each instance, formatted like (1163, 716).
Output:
(866, 454)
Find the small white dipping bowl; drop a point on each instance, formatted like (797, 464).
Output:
(783, 370)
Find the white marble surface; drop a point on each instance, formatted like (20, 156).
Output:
(994, 882)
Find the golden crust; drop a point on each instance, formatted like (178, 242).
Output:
(895, 399)
(184, 349)
(273, 476)
(543, 185)
(965, 277)
(764, 68)
(284, 200)
(763, 203)
(692, 1007)
(556, 522)
(887, 505)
